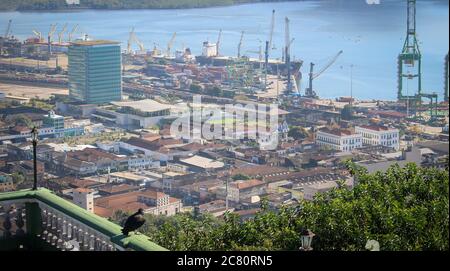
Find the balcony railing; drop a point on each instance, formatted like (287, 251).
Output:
(39, 218)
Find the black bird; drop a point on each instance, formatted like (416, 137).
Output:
(134, 222)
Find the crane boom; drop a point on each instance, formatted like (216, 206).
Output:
(61, 33)
(130, 39)
(309, 92)
(139, 43)
(169, 45)
(8, 29)
(38, 34)
(240, 44)
(218, 42)
(328, 65)
(272, 28)
(288, 54)
(72, 32)
(52, 32)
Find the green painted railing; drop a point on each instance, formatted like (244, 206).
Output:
(136, 242)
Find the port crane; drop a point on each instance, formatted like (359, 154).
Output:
(73, 32)
(288, 55)
(52, 32)
(50, 37)
(39, 35)
(272, 29)
(240, 44)
(170, 43)
(134, 38)
(218, 42)
(61, 34)
(269, 46)
(8, 29)
(309, 92)
(283, 52)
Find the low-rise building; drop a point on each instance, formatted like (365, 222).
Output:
(379, 135)
(338, 139)
(6, 182)
(84, 197)
(133, 114)
(240, 190)
(151, 201)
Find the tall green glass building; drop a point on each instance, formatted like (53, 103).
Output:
(95, 74)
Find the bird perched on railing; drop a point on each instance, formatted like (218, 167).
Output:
(134, 222)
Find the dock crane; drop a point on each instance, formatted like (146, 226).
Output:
(269, 46)
(61, 34)
(309, 92)
(50, 37)
(240, 44)
(73, 32)
(218, 42)
(170, 43)
(8, 29)
(134, 38)
(283, 52)
(272, 28)
(288, 55)
(39, 35)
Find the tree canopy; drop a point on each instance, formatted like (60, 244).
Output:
(403, 209)
(297, 133)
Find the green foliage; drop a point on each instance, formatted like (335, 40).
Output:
(195, 88)
(297, 133)
(347, 112)
(403, 209)
(214, 91)
(240, 177)
(20, 120)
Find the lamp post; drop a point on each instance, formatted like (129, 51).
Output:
(34, 136)
(306, 239)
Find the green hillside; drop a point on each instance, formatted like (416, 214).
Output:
(118, 4)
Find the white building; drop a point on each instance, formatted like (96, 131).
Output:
(338, 139)
(245, 189)
(379, 135)
(84, 198)
(133, 114)
(209, 49)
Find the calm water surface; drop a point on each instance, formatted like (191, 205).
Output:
(371, 36)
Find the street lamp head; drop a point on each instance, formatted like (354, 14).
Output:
(34, 134)
(306, 239)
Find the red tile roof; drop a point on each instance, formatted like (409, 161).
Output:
(247, 184)
(375, 127)
(338, 132)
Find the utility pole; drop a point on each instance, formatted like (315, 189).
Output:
(34, 134)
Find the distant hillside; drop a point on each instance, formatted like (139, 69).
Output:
(120, 4)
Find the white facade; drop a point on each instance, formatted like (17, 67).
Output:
(84, 198)
(338, 140)
(374, 135)
(142, 162)
(209, 49)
